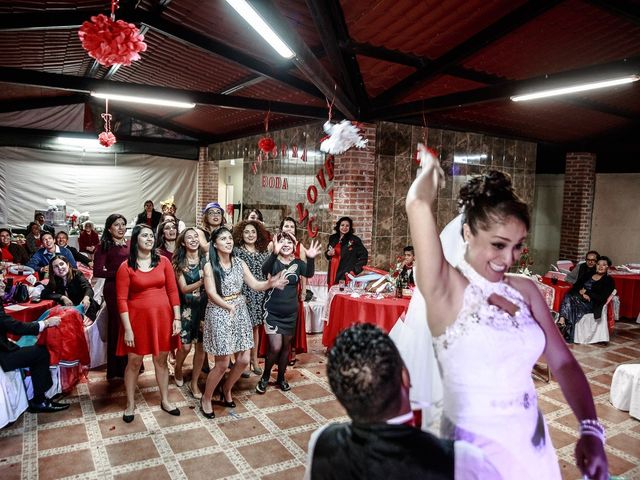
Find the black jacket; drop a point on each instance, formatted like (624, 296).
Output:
(9, 325)
(78, 257)
(75, 290)
(155, 219)
(598, 293)
(380, 451)
(19, 253)
(353, 255)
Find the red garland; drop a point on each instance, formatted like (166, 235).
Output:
(267, 145)
(111, 42)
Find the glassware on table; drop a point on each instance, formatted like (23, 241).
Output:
(341, 285)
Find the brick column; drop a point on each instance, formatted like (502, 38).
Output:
(577, 205)
(207, 182)
(353, 186)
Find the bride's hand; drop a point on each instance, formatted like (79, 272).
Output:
(591, 458)
(432, 177)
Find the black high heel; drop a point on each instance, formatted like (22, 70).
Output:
(207, 415)
(224, 402)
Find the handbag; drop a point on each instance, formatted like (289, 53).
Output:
(21, 294)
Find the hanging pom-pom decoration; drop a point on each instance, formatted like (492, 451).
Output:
(254, 168)
(341, 137)
(106, 138)
(111, 42)
(266, 143)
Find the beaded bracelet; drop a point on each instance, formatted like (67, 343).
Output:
(593, 428)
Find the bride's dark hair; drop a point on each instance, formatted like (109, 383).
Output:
(490, 198)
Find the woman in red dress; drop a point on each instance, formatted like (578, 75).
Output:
(109, 255)
(149, 308)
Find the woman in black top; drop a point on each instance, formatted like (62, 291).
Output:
(588, 295)
(281, 306)
(69, 287)
(345, 252)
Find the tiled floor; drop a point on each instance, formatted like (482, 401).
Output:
(266, 435)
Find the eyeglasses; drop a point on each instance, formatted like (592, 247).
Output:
(214, 212)
(592, 259)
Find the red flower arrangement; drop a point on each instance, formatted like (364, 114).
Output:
(110, 41)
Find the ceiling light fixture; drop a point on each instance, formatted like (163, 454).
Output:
(247, 12)
(576, 88)
(146, 100)
(82, 143)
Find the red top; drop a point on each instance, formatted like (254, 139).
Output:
(333, 266)
(6, 254)
(89, 239)
(149, 298)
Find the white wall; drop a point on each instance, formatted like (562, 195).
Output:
(615, 228)
(230, 175)
(101, 184)
(546, 220)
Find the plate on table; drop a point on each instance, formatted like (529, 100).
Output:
(21, 270)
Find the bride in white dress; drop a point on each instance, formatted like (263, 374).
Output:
(490, 327)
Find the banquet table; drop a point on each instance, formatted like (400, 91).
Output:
(346, 310)
(628, 287)
(561, 288)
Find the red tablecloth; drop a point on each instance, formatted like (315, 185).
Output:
(628, 287)
(561, 288)
(32, 310)
(346, 311)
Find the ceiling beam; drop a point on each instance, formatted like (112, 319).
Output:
(624, 9)
(507, 89)
(329, 21)
(18, 105)
(49, 20)
(507, 24)
(87, 85)
(305, 59)
(415, 61)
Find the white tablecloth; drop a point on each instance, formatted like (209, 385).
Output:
(625, 389)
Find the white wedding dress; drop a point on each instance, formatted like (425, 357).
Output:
(485, 358)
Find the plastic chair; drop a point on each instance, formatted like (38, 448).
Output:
(590, 330)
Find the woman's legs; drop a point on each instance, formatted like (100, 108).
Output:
(283, 359)
(162, 377)
(181, 355)
(214, 377)
(198, 360)
(275, 345)
(242, 360)
(254, 351)
(131, 379)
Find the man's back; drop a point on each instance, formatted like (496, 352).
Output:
(379, 451)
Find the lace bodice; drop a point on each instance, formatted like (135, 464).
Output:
(486, 355)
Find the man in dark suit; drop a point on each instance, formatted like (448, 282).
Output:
(36, 358)
(369, 379)
(588, 267)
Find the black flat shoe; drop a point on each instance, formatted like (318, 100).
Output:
(175, 412)
(224, 402)
(127, 418)
(284, 386)
(207, 415)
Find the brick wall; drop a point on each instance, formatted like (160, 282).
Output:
(577, 205)
(354, 186)
(207, 182)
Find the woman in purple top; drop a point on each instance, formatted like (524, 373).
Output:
(109, 255)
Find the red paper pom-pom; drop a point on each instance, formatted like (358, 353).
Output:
(106, 139)
(111, 43)
(266, 144)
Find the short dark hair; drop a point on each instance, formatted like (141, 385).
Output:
(606, 259)
(594, 252)
(63, 233)
(344, 219)
(365, 373)
(46, 232)
(490, 198)
(408, 248)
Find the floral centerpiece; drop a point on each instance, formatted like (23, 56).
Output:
(525, 262)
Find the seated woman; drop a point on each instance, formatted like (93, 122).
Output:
(69, 287)
(33, 238)
(10, 251)
(88, 239)
(588, 295)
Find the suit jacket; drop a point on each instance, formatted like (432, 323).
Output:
(353, 254)
(9, 325)
(380, 451)
(155, 219)
(77, 256)
(579, 271)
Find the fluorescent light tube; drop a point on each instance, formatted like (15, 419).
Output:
(576, 88)
(146, 100)
(247, 12)
(85, 143)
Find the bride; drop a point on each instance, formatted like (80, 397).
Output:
(490, 327)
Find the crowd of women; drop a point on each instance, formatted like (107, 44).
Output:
(228, 294)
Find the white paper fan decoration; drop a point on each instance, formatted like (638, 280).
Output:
(342, 136)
